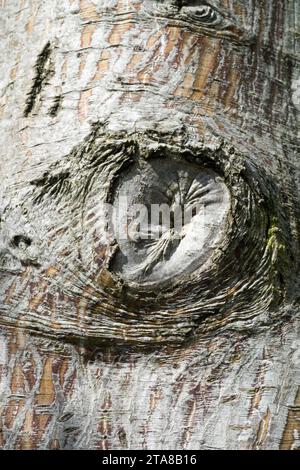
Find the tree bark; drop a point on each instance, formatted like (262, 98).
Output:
(97, 356)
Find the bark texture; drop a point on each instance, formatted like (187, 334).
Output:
(101, 98)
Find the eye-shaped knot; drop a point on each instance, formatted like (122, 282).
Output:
(199, 16)
(202, 13)
(171, 277)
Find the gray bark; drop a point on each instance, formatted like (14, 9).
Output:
(190, 342)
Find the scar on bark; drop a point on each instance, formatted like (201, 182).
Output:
(43, 70)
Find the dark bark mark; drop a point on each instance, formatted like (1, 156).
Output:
(51, 185)
(53, 111)
(122, 438)
(43, 69)
(19, 239)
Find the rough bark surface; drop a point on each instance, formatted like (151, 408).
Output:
(92, 94)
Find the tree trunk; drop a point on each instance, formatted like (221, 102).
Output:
(187, 342)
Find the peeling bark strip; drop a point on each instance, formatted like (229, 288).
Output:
(291, 436)
(43, 70)
(108, 345)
